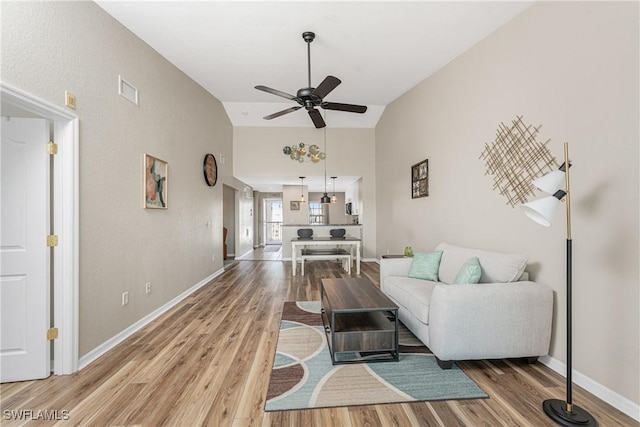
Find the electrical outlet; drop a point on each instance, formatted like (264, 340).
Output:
(147, 288)
(213, 258)
(125, 298)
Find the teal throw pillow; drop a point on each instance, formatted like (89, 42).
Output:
(425, 265)
(470, 272)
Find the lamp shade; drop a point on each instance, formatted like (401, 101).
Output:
(551, 182)
(541, 210)
(325, 199)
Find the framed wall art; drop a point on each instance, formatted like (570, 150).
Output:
(294, 205)
(420, 179)
(156, 181)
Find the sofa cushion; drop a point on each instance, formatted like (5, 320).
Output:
(470, 272)
(413, 295)
(496, 267)
(425, 265)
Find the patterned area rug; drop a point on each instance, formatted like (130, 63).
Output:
(303, 376)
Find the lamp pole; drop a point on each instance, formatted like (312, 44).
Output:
(566, 413)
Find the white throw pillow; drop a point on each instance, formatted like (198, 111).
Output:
(496, 267)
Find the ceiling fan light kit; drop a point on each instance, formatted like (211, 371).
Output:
(310, 97)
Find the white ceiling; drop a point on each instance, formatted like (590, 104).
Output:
(379, 49)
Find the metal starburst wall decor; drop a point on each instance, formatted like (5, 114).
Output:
(515, 159)
(301, 151)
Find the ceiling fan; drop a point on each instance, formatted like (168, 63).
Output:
(310, 97)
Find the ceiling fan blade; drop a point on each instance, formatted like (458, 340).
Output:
(328, 84)
(351, 108)
(317, 119)
(282, 113)
(277, 92)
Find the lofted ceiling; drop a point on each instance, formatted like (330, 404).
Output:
(379, 49)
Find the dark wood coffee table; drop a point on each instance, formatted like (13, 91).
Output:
(359, 318)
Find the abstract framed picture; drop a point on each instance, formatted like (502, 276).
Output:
(294, 205)
(420, 179)
(156, 182)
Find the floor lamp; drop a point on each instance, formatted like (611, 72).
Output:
(541, 211)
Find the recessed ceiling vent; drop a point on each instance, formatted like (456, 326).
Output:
(127, 90)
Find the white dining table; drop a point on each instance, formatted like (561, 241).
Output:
(351, 242)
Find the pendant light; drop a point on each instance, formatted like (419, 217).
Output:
(325, 200)
(302, 200)
(334, 199)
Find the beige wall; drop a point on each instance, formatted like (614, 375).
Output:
(50, 47)
(292, 193)
(350, 152)
(336, 210)
(572, 67)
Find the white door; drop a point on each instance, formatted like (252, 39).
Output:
(273, 221)
(24, 255)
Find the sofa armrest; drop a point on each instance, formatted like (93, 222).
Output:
(490, 320)
(394, 267)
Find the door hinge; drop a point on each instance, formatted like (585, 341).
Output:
(52, 240)
(52, 334)
(52, 148)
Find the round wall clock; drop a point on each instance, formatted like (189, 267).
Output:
(210, 169)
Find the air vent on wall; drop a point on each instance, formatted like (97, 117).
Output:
(127, 90)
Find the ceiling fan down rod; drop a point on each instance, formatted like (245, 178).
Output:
(308, 37)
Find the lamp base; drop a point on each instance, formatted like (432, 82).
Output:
(557, 411)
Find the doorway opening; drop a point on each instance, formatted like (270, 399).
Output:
(65, 219)
(272, 221)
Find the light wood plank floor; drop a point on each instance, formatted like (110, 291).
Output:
(206, 362)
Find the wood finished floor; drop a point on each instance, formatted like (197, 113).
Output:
(207, 361)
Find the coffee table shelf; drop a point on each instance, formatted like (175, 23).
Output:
(358, 318)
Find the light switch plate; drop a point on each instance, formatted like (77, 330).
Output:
(69, 99)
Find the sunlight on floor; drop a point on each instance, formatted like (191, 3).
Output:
(266, 253)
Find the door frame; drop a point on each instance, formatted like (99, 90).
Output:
(265, 220)
(65, 224)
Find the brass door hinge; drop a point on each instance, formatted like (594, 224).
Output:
(52, 334)
(52, 240)
(52, 148)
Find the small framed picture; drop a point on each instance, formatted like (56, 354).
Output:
(156, 181)
(420, 179)
(294, 205)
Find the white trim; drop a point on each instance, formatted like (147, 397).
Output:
(66, 225)
(614, 399)
(66, 220)
(123, 335)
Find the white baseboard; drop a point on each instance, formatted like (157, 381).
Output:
(614, 399)
(123, 335)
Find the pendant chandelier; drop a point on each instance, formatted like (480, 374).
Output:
(334, 199)
(325, 200)
(302, 200)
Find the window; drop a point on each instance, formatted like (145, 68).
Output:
(315, 213)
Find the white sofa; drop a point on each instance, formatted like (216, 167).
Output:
(503, 316)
